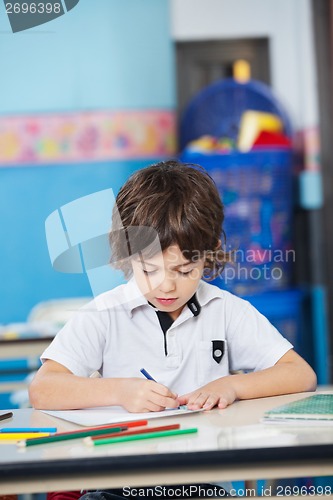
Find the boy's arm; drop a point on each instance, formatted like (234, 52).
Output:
(289, 375)
(57, 388)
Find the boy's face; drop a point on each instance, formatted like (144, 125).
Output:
(168, 280)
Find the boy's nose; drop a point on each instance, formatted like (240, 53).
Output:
(168, 284)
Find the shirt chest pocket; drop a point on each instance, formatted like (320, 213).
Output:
(212, 357)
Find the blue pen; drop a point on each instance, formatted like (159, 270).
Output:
(7, 430)
(146, 374)
(149, 377)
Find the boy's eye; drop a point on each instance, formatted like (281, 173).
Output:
(148, 272)
(184, 273)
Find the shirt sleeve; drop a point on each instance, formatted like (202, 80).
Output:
(254, 343)
(80, 343)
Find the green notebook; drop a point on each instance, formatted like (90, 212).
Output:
(318, 407)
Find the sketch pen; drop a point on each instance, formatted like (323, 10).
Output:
(89, 431)
(131, 423)
(4, 416)
(18, 436)
(52, 430)
(65, 436)
(147, 375)
(151, 435)
(9, 430)
(132, 432)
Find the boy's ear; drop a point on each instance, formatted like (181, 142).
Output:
(219, 243)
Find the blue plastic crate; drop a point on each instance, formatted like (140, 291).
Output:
(256, 189)
(6, 402)
(15, 370)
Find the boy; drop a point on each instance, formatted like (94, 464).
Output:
(187, 333)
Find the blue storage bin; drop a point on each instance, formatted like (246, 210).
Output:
(218, 108)
(256, 189)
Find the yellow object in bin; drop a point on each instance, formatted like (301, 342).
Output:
(252, 123)
(241, 70)
(204, 143)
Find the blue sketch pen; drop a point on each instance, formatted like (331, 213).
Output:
(149, 377)
(146, 374)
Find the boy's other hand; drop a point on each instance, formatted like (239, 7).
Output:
(139, 396)
(215, 393)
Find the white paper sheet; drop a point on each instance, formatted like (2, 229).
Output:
(111, 415)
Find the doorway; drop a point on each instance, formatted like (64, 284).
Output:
(204, 62)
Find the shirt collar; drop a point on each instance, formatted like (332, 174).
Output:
(133, 297)
(207, 292)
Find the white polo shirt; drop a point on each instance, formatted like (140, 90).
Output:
(118, 333)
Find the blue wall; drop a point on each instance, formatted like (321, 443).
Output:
(102, 54)
(27, 196)
(110, 54)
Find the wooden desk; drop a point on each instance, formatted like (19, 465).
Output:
(230, 445)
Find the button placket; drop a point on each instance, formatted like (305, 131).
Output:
(173, 358)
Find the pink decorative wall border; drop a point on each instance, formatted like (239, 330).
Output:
(86, 136)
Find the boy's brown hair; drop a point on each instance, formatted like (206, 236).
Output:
(182, 204)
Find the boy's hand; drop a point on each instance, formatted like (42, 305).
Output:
(137, 395)
(217, 393)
